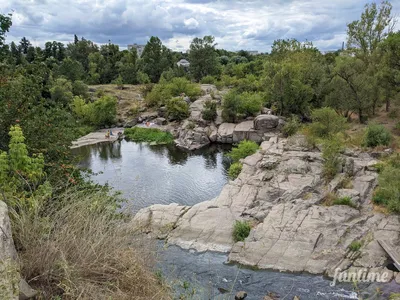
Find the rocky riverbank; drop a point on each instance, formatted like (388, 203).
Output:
(282, 193)
(97, 137)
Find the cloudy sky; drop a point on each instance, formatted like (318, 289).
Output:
(236, 24)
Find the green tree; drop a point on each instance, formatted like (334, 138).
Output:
(61, 92)
(366, 34)
(24, 45)
(5, 24)
(156, 58)
(71, 69)
(203, 58)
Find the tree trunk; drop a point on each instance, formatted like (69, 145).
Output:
(387, 104)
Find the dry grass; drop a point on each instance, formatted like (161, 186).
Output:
(78, 250)
(131, 97)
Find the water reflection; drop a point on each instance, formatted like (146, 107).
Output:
(158, 174)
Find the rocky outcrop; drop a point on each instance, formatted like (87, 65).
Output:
(192, 139)
(97, 137)
(281, 192)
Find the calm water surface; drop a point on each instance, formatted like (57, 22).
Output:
(148, 175)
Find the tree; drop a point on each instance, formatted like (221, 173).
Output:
(71, 69)
(5, 24)
(375, 23)
(351, 87)
(156, 58)
(61, 92)
(203, 58)
(24, 45)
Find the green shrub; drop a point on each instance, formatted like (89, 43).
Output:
(344, 201)
(241, 231)
(99, 113)
(244, 149)
(231, 106)
(100, 93)
(246, 104)
(180, 85)
(177, 109)
(208, 79)
(234, 170)
(158, 95)
(150, 135)
(209, 112)
(291, 126)
(388, 191)
(251, 103)
(79, 88)
(377, 135)
(61, 92)
(143, 78)
(119, 82)
(326, 122)
(355, 246)
(332, 160)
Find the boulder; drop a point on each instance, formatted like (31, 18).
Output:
(160, 121)
(241, 295)
(245, 131)
(131, 123)
(266, 122)
(192, 139)
(9, 276)
(162, 112)
(225, 133)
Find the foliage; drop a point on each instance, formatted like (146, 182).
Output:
(61, 92)
(234, 170)
(388, 191)
(208, 79)
(79, 88)
(291, 126)
(177, 109)
(209, 112)
(377, 135)
(164, 91)
(119, 82)
(244, 149)
(18, 170)
(355, 246)
(156, 58)
(326, 122)
(99, 113)
(332, 159)
(203, 58)
(245, 104)
(151, 135)
(344, 201)
(241, 231)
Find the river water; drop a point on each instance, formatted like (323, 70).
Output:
(149, 175)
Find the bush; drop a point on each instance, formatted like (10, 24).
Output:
(208, 79)
(251, 103)
(79, 88)
(177, 109)
(388, 191)
(344, 201)
(244, 149)
(99, 113)
(355, 246)
(332, 160)
(209, 112)
(377, 135)
(230, 107)
(150, 135)
(291, 126)
(143, 78)
(234, 170)
(326, 122)
(241, 231)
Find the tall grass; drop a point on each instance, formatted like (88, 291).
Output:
(75, 247)
(138, 134)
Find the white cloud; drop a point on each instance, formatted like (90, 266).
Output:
(236, 24)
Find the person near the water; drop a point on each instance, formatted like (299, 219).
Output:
(111, 132)
(107, 134)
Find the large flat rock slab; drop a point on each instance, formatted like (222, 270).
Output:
(97, 137)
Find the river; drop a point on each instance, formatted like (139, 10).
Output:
(149, 175)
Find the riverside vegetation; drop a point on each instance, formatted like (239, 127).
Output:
(45, 104)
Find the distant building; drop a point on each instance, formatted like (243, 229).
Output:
(183, 63)
(253, 52)
(139, 48)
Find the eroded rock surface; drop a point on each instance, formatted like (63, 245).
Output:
(281, 192)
